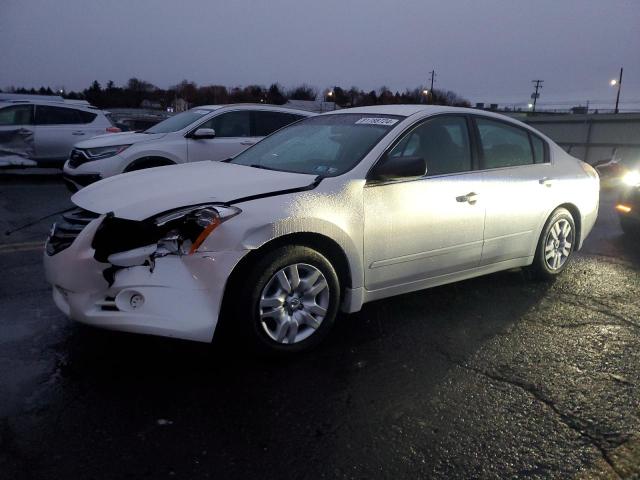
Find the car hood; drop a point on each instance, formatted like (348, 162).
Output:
(142, 194)
(124, 138)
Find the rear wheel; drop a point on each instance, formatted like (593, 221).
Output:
(555, 246)
(290, 300)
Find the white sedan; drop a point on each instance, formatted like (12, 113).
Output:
(327, 214)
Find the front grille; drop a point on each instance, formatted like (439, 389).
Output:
(77, 158)
(64, 232)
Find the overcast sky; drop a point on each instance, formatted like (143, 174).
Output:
(485, 50)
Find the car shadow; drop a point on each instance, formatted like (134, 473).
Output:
(374, 363)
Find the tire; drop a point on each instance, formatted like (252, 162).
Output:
(553, 241)
(150, 162)
(285, 321)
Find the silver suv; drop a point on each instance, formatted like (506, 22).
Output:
(35, 132)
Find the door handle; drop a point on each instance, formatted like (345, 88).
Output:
(247, 142)
(77, 132)
(471, 198)
(546, 181)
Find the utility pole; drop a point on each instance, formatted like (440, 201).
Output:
(618, 95)
(535, 95)
(433, 76)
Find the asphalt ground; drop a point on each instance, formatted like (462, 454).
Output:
(495, 377)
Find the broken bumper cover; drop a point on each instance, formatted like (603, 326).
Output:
(179, 298)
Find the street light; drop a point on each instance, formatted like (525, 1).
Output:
(530, 105)
(617, 83)
(330, 94)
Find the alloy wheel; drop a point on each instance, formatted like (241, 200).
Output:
(294, 303)
(558, 244)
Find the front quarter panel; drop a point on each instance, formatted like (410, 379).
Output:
(333, 209)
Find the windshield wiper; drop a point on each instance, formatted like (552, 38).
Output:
(255, 165)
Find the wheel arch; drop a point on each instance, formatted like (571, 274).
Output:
(577, 219)
(151, 160)
(323, 244)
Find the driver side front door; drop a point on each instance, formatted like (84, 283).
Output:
(429, 227)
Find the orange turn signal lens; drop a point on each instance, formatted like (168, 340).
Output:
(623, 208)
(204, 234)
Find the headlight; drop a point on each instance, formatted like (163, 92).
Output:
(632, 178)
(105, 152)
(185, 229)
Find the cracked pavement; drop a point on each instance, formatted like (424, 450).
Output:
(496, 377)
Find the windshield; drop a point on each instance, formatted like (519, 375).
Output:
(326, 145)
(179, 121)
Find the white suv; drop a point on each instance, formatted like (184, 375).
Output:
(211, 132)
(42, 132)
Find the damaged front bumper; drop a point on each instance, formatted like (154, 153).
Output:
(174, 296)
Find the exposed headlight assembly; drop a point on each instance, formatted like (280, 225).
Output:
(632, 178)
(186, 229)
(105, 152)
(176, 232)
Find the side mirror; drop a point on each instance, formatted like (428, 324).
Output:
(396, 168)
(203, 133)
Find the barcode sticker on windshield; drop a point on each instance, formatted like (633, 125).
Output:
(201, 112)
(377, 121)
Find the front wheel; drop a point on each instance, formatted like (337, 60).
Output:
(291, 300)
(556, 245)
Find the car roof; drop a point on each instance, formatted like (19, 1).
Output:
(77, 104)
(409, 110)
(402, 110)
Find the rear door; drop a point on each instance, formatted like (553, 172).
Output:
(16, 133)
(58, 128)
(233, 135)
(518, 188)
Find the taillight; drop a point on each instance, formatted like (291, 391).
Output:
(113, 130)
(589, 170)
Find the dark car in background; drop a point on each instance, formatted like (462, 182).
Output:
(628, 205)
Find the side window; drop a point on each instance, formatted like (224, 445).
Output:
(46, 115)
(16, 115)
(268, 122)
(86, 117)
(442, 141)
(538, 149)
(231, 124)
(503, 145)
